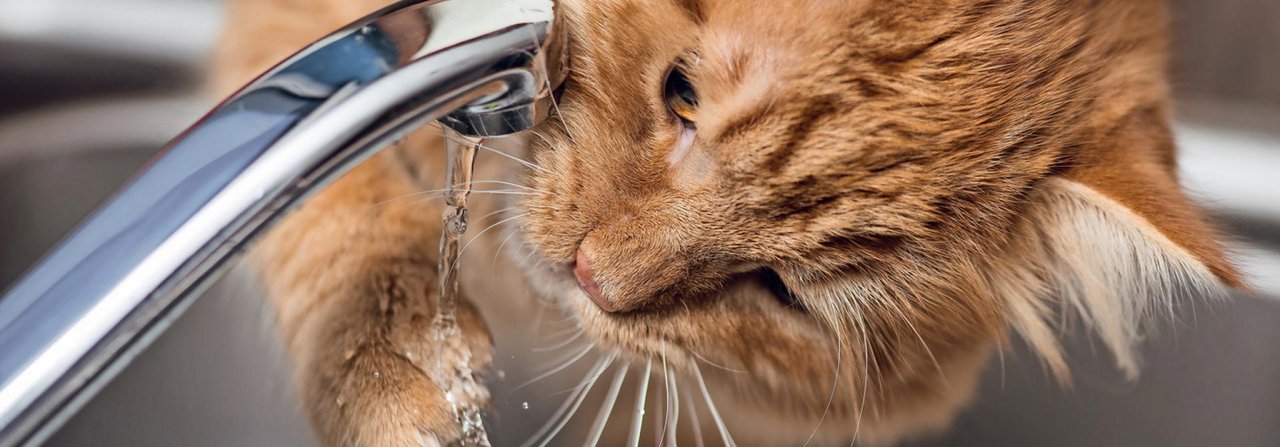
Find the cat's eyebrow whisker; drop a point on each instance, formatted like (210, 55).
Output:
(557, 369)
(606, 409)
(570, 404)
(711, 407)
(637, 415)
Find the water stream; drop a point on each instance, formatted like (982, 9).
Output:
(453, 365)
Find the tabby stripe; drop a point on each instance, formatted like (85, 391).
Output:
(694, 9)
(801, 126)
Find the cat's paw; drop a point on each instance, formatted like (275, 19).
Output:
(370, 386)
(382, 398)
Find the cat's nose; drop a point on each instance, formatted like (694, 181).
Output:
(586, 280)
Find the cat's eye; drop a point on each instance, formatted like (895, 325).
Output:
(680, 96)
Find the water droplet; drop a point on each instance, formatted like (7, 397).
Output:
(524, 405)
(502, 375)
(377, 374)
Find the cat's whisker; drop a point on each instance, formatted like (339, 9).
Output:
(555, 105)
(563, 332)
(436, 194)
(637, 415)
(526, 163)
(666, 398)
(717, 365)
(866, 377)
(507, 192)
(501, 182)
(506, 183)
(606, 409)
(561, 344)
(711, 407)
(557, 369)
(482, 232)
(567, 319)
(570, 404)
(693, 418)
(494, 213)
(482, 182)
(830, 398)
(582, 396)
(673, 415)
(566, 332)
(514, 158)
(504, 244)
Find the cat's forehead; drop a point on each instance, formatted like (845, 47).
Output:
(753, 26)
(743, 29)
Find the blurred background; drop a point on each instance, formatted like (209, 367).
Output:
(90, 89)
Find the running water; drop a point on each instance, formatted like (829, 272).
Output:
(453, 365)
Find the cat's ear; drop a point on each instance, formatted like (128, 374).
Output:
(1115, 240)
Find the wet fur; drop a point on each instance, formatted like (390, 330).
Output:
(926, 176)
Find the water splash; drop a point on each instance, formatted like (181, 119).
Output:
(453, 365)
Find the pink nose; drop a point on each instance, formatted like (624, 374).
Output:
(582, 271)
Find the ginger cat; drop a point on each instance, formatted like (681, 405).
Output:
(844, 205)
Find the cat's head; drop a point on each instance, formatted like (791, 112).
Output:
(861, 193)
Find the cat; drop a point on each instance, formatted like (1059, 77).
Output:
(845, 206)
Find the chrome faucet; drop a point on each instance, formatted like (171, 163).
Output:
(485, 68)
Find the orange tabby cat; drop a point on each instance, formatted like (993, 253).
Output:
(853, 202)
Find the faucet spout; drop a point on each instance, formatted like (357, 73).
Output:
(485, 68)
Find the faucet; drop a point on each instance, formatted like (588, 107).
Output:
(484, 68)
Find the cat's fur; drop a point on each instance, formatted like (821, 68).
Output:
(925, 176)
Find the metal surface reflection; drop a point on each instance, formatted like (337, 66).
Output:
(491, 66)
